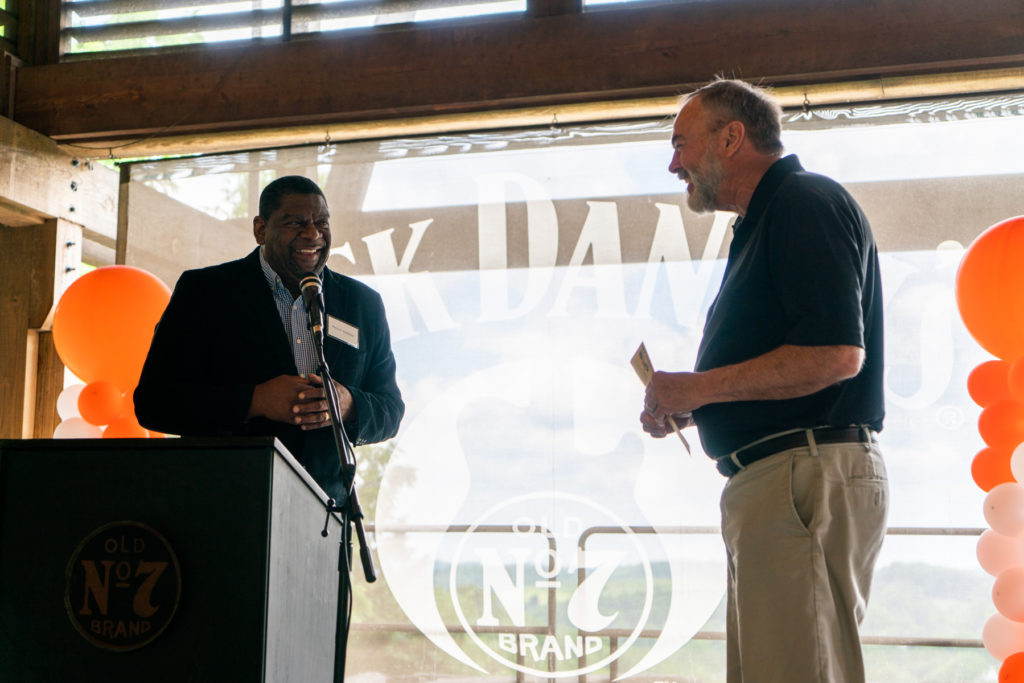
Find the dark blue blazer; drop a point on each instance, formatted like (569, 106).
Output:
(221, 335)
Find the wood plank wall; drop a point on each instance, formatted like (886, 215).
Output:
(497, 63)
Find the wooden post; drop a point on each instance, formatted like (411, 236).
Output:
(48, 199)
(39, 37)
(49, 383)
(34, 263)
(8, 65)
(13, 331)
(124, 184)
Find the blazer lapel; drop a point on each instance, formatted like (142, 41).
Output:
(264, 311)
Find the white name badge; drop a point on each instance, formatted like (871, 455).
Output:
(342, 331)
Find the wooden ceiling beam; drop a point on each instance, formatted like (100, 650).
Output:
(39, 181)
(502, 63)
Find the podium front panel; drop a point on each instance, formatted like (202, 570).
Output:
(93, 531)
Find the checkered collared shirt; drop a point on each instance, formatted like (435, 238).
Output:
(294, 319)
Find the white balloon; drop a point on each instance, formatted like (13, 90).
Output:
(1017, 462)
(997, 553)
(77, 428)
(1002, 637)
(67, 401)
(1008, 593)
(1004, 508)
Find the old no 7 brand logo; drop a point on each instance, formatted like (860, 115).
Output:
(123, 586)
(550, 622)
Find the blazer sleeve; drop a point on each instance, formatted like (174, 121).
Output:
(183, 389)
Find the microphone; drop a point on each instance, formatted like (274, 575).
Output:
(313, 298)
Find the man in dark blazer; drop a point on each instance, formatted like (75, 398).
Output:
(232, 354)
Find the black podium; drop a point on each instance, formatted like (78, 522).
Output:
(164, 560)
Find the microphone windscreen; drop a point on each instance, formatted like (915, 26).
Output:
(309, 285)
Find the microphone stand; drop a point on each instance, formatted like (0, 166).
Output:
(351, 512)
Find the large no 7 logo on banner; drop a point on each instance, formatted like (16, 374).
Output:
(550, 617)
(509, 525)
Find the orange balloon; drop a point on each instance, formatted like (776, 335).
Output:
(987, 383)
(103, 323)
(1001, 424)
(100, 402)
(1012, 669)
(990, 289)
(125, 427)
(1015, 380)
(990, 468)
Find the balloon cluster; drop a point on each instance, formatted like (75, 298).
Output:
(102, 328)
(990, 297)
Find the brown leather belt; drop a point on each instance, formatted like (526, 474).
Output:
(727, 463)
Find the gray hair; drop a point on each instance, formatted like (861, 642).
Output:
(731, 100)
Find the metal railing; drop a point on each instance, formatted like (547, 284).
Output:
(615, 635)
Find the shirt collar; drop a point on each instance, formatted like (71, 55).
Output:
(273, 279)
(766, 187)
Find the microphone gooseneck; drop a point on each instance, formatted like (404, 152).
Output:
(313, 298)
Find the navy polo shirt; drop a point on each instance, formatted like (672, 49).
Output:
(802, 270)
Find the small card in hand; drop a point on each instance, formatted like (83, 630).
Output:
(641, 363)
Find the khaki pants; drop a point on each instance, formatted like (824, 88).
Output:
(802, 530)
